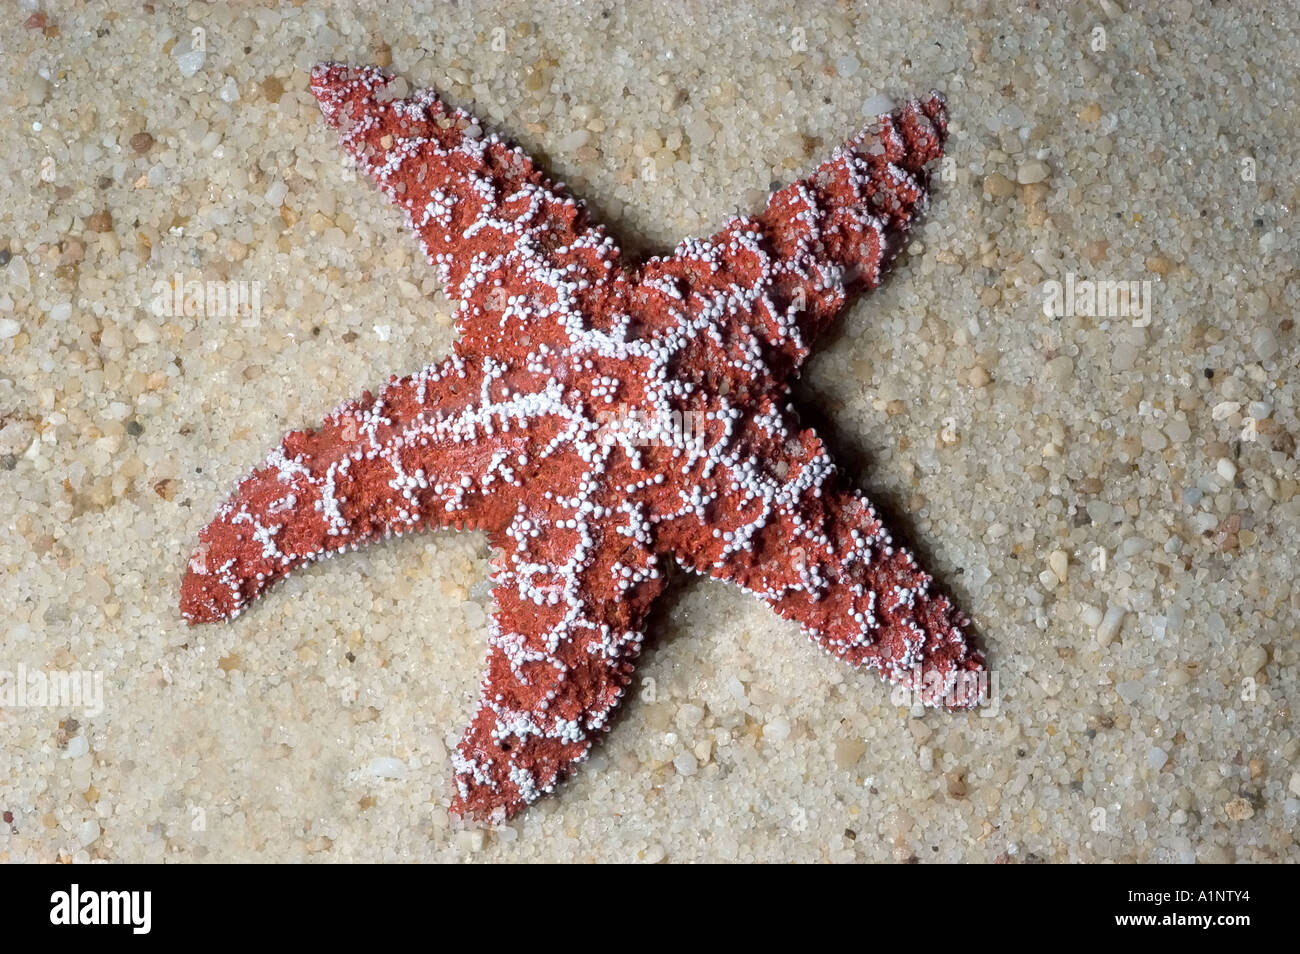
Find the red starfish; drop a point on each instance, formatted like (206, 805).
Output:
(559, 426)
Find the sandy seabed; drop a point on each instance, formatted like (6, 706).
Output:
(1110, 491)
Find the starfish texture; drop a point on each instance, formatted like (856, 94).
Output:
(596, 420)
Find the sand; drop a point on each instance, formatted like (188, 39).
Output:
(1109, 490)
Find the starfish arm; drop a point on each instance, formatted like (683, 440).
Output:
(771, 284)
(509, 244)
(572, 586)
(773, 517)
(428, 451)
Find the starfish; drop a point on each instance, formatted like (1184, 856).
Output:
(599, 421)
